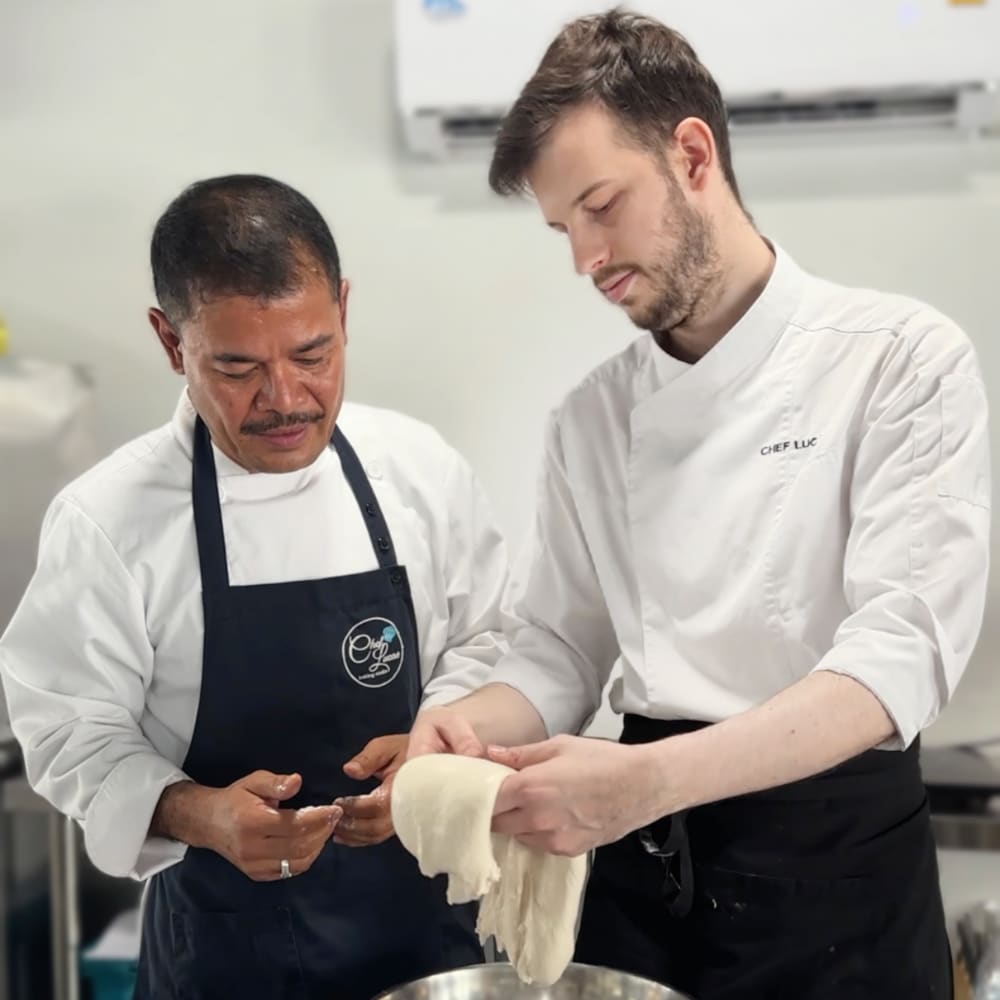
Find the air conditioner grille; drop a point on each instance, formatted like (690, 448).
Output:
(473, 127)
(848, 108)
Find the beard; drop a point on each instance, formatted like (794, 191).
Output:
(685, 276)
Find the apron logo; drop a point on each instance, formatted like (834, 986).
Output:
(373, 652)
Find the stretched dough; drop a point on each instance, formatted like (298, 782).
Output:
(442, 806)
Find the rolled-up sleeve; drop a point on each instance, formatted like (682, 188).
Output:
(917, 554)
(75, 663)
(563, 644)
(475, 569)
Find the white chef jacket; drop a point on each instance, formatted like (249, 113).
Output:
(102, 662)
(812, 494)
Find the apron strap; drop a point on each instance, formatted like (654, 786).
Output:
(378, 530)
(208, 513)
(678, 870)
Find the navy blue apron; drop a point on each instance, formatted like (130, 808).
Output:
(823, 889)
(297, 677)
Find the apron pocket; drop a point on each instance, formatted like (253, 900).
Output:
(220, 956)
(767, 936)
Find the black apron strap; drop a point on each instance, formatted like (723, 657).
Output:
(378, 530)
(678, 871)
(207, 513)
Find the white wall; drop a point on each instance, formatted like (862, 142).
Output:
(465, 311)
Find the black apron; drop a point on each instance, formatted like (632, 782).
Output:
(297, 677)
(824, 889)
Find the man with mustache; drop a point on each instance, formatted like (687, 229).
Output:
(773, 510)
(233, 618)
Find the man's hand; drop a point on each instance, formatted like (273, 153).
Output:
(244, 824)
(444, 730)
(367, 818)
(572, 793)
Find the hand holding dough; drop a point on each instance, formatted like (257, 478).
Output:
(442, 807)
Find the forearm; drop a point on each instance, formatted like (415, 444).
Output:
(184, 813)
(501, 716)
(817, 723)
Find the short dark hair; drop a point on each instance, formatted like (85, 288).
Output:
(645, 74)
(238, 235)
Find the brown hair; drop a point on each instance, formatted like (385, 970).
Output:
(645, 74)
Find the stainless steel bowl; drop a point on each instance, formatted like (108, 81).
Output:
(498, 981)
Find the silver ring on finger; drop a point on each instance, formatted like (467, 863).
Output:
(286, 869)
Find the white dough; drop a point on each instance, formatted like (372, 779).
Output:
(442, 807)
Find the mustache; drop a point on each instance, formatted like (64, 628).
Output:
(278, 420)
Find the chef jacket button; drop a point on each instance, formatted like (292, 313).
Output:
(374, 470)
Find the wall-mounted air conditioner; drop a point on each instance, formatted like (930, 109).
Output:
(786, 65)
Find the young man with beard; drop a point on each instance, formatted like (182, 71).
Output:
(773, 510)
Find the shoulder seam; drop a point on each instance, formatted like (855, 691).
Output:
(71, 502)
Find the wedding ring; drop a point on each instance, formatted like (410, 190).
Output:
(286, 870)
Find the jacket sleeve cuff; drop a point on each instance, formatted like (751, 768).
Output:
(906, 730)
(156, 855)
(116, 826)
(557, 698)
(442, 696)
(463, 670)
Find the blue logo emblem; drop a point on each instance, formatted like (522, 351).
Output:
(445, 8)
(373, 652)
